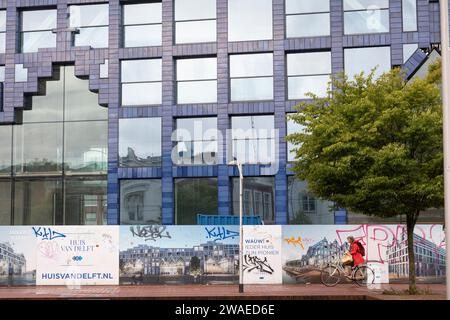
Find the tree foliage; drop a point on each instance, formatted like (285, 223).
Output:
(374, 145)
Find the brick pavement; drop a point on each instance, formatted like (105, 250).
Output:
(218, 292)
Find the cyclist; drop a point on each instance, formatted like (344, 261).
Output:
(356, 251)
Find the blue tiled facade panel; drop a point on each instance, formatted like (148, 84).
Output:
(159, 63)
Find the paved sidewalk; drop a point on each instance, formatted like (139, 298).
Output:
(219, 292)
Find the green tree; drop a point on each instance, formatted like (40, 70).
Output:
(375, 146)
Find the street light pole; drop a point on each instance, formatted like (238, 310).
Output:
(241, 228)
(446, 129)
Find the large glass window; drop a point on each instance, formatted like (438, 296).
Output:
(197, 80)
(141, 201)
(38, 148)
(36, 29)
(357, 60)
(259, 197)
(195, 21)
(2, 30)
(304, 207)
(251, 77)
(85, 201)
(5, 150)
(61, 135)
(91, 22)
(366, 16)
(140, 142)
(306, 18)
(194, 196)
(409, 10)
(141, 82)
(38, 202)
(196, 141)
(142, 24)
(249, 20)
(86, 147)
(308, 72)
(5, 202)
(253, 139)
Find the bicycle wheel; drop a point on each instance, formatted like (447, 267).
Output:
(330, 276)
(364, 276)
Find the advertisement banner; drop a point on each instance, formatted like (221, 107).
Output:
(156, 254)
(262, 254)
(77, 255)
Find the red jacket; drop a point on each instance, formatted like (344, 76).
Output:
(354, 251)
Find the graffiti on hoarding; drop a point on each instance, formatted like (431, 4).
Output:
(295, 242)
(220, 233)
(49, 249)
(47, 233)
(151, 232)
(255, 263)
(383, 236)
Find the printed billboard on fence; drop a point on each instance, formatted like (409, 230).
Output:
(59, 255)
(179, 254)
(17, 256)
(77, 255)
(262, 254)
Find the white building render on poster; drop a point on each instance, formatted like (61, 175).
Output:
(262, 255)
(77, 255)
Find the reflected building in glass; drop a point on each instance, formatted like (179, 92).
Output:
(128, 112)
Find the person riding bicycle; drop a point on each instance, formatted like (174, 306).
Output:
(356, 252)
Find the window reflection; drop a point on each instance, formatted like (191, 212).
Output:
(91, 22)
(195, 21)
(196, 141)
(141, 82)
(308, 72)
(5, 202)
(249, 20)
(85, 201)
(251, 77)
(293, 127)
(306, 18)
(142, 24)
(194, 196)
(409, 10)
(36, 29)
(367, 16)
(253, 139)
(2, 30)
(38, 202)
(359, 60)
(86, 147)
(5, 150)
(140, 142)
(66, 109)
(259, 197)
(141, 201)
(196, 80)
(304, 207)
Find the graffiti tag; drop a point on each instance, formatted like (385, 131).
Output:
(47, 233)
(151, 232)
(255, 263)
(220, 233)
(295, 242)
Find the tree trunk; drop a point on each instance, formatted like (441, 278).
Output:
(410, 223)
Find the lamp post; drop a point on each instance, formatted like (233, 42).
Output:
(446, 134)
(241, 229)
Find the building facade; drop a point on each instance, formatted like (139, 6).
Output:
(430, 258)
(11, 263)
(212, 258)
(93, 90)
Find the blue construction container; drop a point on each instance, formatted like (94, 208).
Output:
(205, 219)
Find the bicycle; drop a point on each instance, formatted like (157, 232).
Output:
(362, 274)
